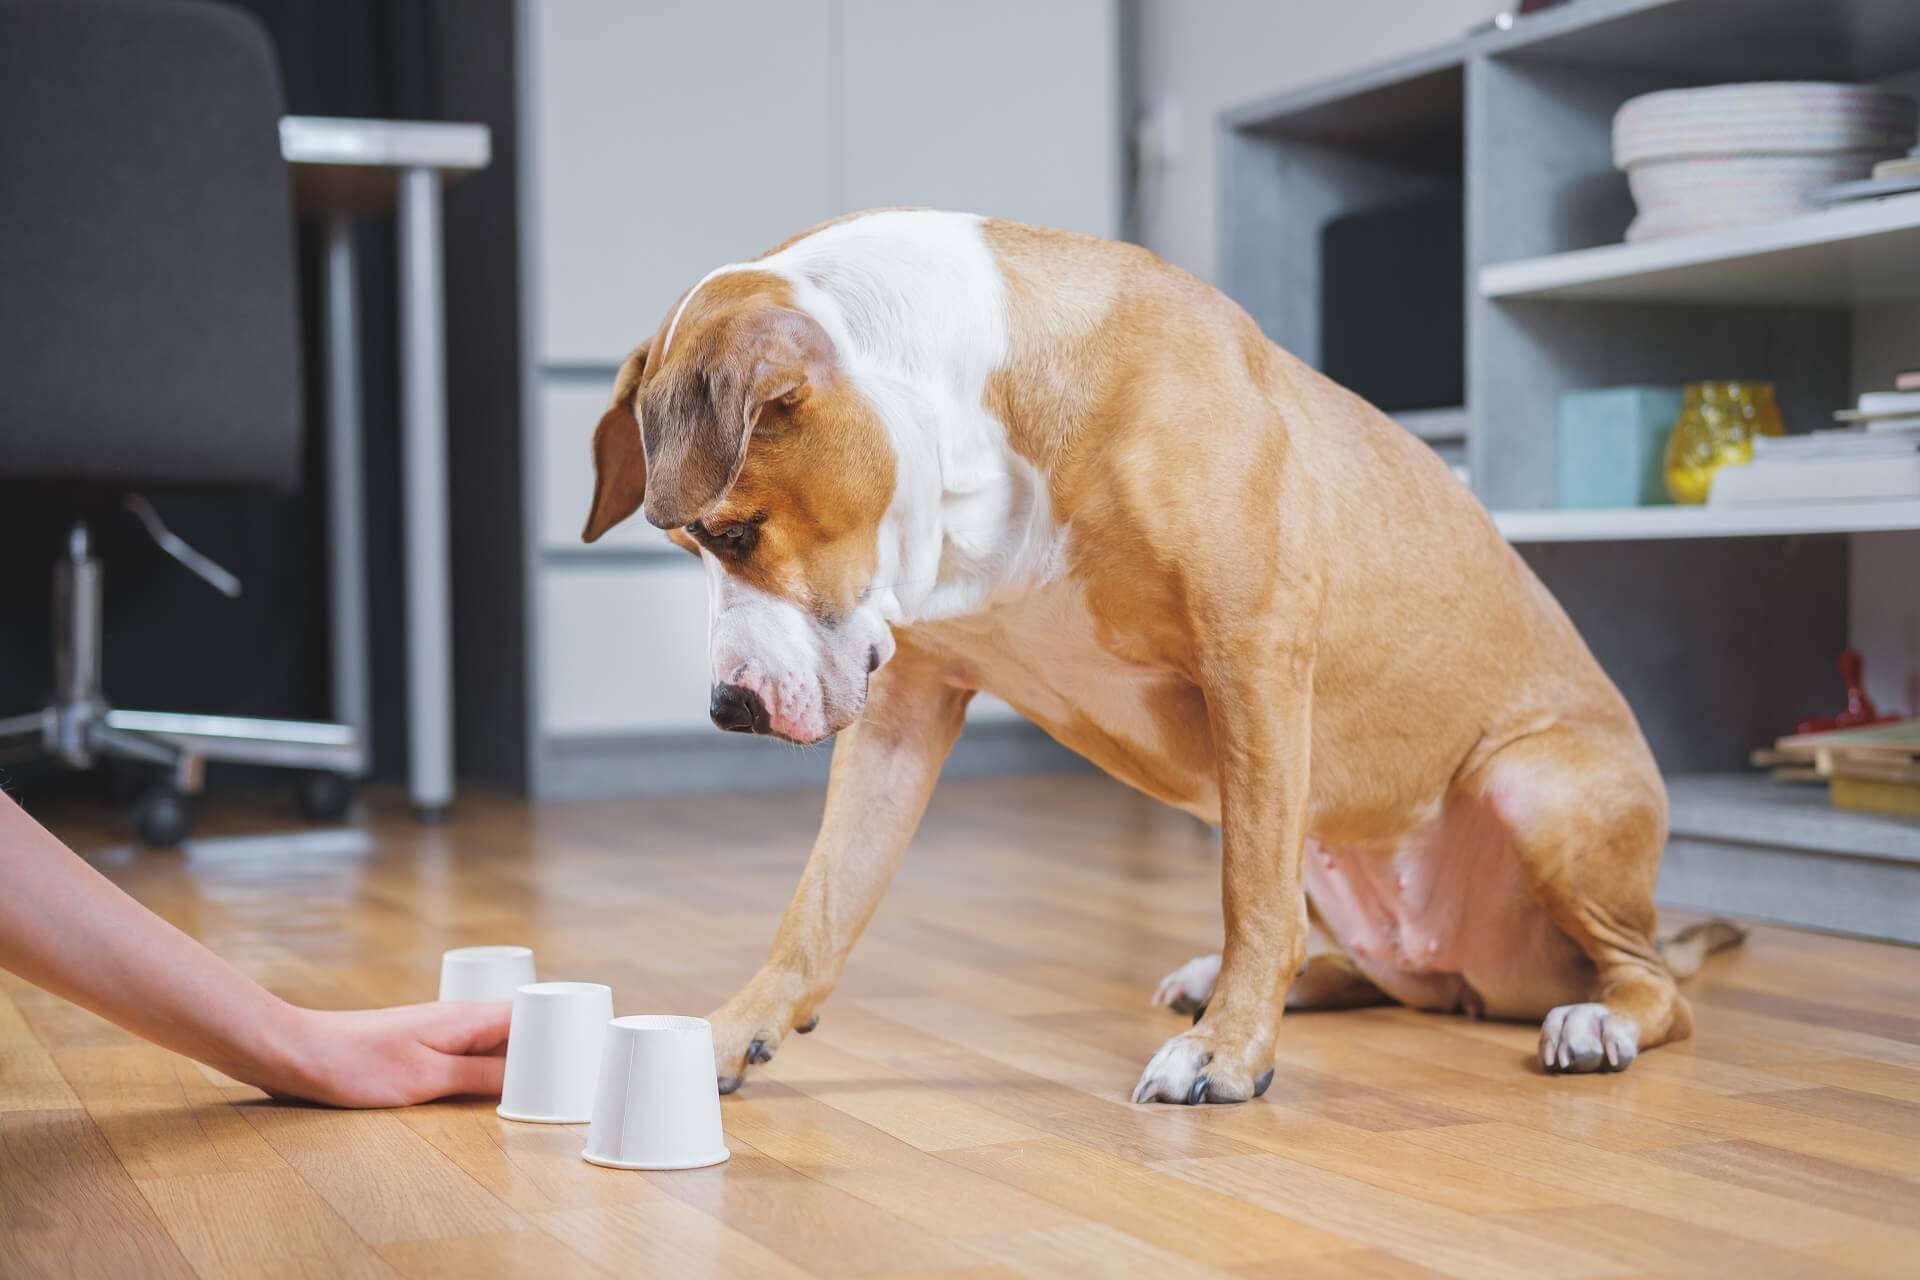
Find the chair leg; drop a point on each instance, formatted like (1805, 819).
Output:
(24, 737)
(106, 740)
(287, 744)
(80, 727)
(31, 725)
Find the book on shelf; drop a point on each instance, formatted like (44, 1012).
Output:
(1875, 403)
(1907, 380)
(1875, 795)
(1884, 411)
(1845, 478)
(1875, 768)
(1882, 422)
(1844, 443)
(1875, 455)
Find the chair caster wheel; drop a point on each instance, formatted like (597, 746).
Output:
(325, 797)
(162, 817)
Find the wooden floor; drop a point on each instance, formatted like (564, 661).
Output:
(962, 1109)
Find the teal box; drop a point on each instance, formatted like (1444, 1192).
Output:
(1613, 444)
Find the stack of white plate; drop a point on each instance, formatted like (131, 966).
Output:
(1698, 159)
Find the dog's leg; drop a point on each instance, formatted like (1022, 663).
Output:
(1330, 980)
(1588, 820)
(884, 769)
(1260, 718)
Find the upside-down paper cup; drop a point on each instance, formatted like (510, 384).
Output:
(553, 1051)
(658, 1104)
(485, 973)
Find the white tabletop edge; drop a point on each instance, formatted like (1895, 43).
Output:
(398, 144)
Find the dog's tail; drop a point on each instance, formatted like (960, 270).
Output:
(1686, 950)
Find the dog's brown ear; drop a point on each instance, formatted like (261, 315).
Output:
(699, 418)
(619, 463)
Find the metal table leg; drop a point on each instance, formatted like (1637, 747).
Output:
(424, 461)
(346, 495)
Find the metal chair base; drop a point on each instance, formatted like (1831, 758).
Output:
(79, 728)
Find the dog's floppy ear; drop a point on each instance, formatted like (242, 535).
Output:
(698, 419)
(619, 463)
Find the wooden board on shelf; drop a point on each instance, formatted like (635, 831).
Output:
(1870, 769)
(1901, 769)
(1900, 737)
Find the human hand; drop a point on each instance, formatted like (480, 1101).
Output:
(68, 929)
(396, 1057)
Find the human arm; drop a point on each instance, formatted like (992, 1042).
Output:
(67, 928)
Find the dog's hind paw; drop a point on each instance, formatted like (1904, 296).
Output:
(1588, 1037)
(1188, 988)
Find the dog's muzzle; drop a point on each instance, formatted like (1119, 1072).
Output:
(737, 709)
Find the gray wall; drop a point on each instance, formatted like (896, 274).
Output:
(1207, 55)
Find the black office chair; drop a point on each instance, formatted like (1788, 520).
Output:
(149, 333)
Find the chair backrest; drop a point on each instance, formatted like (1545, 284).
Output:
(149, 324)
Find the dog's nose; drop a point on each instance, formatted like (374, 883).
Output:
(737, 709)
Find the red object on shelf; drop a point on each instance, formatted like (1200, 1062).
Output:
(1860, 709)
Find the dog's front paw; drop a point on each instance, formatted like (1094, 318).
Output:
(746, 1033)
(1192, 1068)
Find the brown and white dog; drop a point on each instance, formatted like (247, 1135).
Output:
(924, 454)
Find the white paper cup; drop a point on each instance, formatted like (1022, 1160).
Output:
(553, 1051)
(485, 973)
(658, 1104)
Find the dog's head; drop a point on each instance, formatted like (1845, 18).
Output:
(737, 431)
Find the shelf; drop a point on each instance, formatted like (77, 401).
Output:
(1779, 39)
(1630, 524)
(1409, 111)
(1863, 252)
(1751, 808)
(1715, 40)
(1746, 846)
(1435, 426)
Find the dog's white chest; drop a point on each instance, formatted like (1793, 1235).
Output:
(1043, 655)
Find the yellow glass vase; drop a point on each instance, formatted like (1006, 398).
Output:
(1716, 427)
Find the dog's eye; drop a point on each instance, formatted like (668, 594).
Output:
(733, 532)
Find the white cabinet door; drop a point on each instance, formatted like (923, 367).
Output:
(570, 406)
(1003, 107)
(623, 648)
(570, 409)
(664, 140)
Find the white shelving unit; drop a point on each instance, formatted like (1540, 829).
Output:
(1719, 625)
(1633, 524)
(1849, 254)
